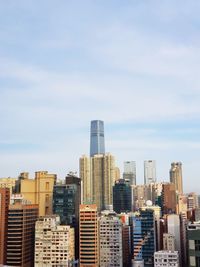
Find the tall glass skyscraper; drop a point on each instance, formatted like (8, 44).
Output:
(97, 143)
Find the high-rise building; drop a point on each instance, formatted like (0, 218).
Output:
(110, 239)
(66, 202)
(54, 243)
(97, 143)
(38, 191)
(165, 258)
(89, 236)
(192, 201)
(149, 171)
(176, 176)
(4, 206)
(21, 233)
(144, 243)
(169, 200)
(130, 172)
(98, 176)
(193, 236)
(173, 225)
(122, 196)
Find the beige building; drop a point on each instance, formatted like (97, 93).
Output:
(98, 175)
(168, 242)
(38, 191)
(54, 243)
(176, 176)
(8, 183)
(89, 236)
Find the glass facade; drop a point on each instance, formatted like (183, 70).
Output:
(121, 196)
(97, 143)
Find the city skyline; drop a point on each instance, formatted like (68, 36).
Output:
(132, 65)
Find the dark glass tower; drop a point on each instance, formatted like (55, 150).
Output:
(66, 201)
(97, 143)
(122, 196)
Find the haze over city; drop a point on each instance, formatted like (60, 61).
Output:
(133, 65)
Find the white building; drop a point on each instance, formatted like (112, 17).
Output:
(149, 171)
(166, 258)
(173, 222)
(130, 171)
(54, 243)
(110, 233)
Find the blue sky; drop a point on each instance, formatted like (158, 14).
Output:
(133, 64)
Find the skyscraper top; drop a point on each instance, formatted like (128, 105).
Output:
(97, 143)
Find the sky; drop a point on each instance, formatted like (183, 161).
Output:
(133, 64)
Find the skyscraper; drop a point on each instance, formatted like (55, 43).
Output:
(176, 176)
(149, 171)
(97, 143)
(130, 171)
(98, 175)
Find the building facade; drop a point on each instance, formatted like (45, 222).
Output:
(21, 233)
(130, 172)
(38, 191)
(89, 236)
(193, 239)
(97, 142)
(4, 206)
(165, 258)
(149, 171)
(54, 243)
(110, 238)
(122, 198)
(98, 176)
(176, 176)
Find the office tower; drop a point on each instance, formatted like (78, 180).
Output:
(110, 239)
(54, 243)
(4, 206)
(193, 236)
(21, 233)
(122, 196)
(38, 191)
(169, 198)
(97, 143)
(117, 173)
(130, 172)
(168, 242)
(89, 236)
(8, 183)
(66, 202)
(98, 176)
(157, 215)
(173, 225)
(176, 176)
(149, 171)
(144, 244)
(166, 259)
